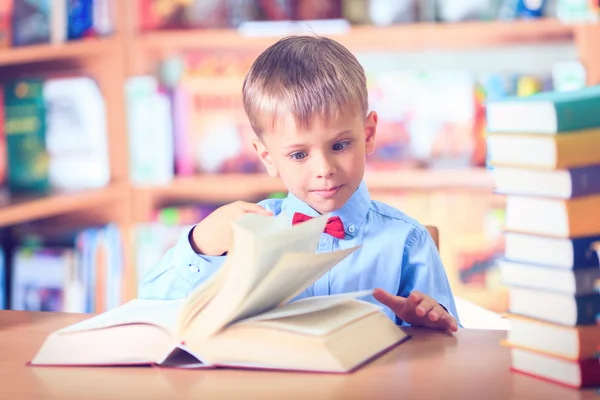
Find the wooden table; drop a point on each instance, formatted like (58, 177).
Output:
(470, 364)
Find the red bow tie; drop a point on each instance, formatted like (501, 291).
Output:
(334, 227)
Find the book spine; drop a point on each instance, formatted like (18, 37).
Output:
(587, 309)
(3, 151)
(585, 181)
(5, 23)
(583, 254)
(577, 114)
(577, 149)
(184, 157)
(590, 372)
(30, 22)
(25, 130)
(585, 280)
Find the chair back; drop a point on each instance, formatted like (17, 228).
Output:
(435, 235)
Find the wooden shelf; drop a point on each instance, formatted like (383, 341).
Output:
(213, 188)
(230, 187)
(442, 179)
(21, 210)
(48, 52)
(404, 37)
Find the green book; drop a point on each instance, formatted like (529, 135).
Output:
(25, 130)
(546, 112)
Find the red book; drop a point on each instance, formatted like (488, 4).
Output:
(566, 372)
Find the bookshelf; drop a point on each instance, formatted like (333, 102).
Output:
(23, 209)
(404, 37)
(111, 60)
(153, 46)
(222, 188)
(79, 49)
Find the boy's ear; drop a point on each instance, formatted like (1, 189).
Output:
(370, 130)
(265, 157)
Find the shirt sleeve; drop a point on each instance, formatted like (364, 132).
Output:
(179, 271)
(423, 270)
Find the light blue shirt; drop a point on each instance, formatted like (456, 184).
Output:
(397, 255)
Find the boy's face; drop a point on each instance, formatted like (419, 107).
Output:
(323, 165)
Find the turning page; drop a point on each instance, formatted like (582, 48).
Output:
(310, 305)
(290, 276)
(254, 257)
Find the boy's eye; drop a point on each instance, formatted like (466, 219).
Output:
(340, 145)
(299, 155)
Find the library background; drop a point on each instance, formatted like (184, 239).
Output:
(123, 123)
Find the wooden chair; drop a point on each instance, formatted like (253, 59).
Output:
(435, 235)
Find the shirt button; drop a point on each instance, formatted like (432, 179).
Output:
(351, 229)
(193, 268)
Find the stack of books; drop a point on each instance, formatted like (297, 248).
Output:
(544, 153)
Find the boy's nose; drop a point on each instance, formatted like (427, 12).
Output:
(325, 167)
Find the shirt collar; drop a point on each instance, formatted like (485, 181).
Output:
(353, 214)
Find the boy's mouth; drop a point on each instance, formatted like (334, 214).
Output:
(326, 193)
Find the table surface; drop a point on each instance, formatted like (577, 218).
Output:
(469, 364)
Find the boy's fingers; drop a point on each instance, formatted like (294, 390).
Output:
(415, 298)
(452, 324)
(444, 320)
(396, 303)
(448, 322)
(437, 313)
(424, 307)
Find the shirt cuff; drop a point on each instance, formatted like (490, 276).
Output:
(194, 267)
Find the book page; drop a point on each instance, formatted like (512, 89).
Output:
(321, 322)
(292, 274)
(162, 313)
(271, 242)
(204, 293)
(201, 296)
(252, 258)
(308, 305)
(263, 225)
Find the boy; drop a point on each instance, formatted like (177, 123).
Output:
(306, 99)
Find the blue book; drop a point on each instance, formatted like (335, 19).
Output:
(563, 183)
(80, 18)
(546, 112)
(2, 280)
(30, 22)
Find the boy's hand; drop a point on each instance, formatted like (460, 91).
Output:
(212, 236)
(418, 310)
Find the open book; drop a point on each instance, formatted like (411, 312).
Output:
(242, 316)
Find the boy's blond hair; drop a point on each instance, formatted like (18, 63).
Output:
(307, 76)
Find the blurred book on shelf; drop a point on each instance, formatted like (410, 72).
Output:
(170, 224)
(268, 15)
(31, 22)
(425, 117)
(54, 268)
(54, 135)
(574, 11)
(213, 134)
(150, 132)
(3, 286)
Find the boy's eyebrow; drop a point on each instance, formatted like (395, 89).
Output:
(293, 147)
(300, 145)
(342, 133)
